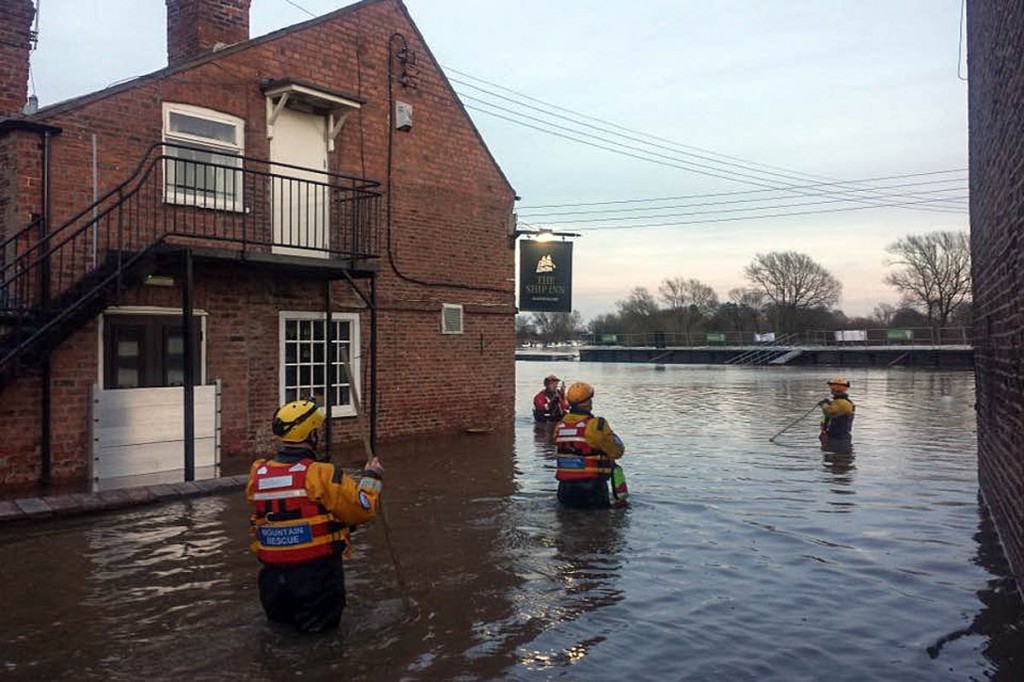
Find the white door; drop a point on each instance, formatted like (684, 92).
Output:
(300, 199)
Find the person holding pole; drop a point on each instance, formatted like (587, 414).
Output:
(587, 450)
(837, 414)
(302, 511)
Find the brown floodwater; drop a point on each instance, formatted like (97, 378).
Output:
(738, 559)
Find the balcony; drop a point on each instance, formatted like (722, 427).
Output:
(221, 207)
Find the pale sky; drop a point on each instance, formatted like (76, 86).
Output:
(838, 89)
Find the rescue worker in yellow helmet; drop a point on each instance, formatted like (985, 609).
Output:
(837, 414)
(586, 452)
(303, 509)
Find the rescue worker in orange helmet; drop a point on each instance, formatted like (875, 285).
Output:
(586, 452)
(550, 404)
(303, 509)
(837, 414)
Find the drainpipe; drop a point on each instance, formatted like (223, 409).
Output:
(188, 343)
(373, 359)
(45, 435)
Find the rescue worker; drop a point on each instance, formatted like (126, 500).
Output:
(837, 415)
(549, 404)
(586, 450)
(303, 510)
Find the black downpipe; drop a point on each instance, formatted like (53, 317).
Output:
(328, 366)
(46, 434)
(188, 343)
(373, 362)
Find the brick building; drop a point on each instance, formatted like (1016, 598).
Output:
(312, 195)
(996, 120)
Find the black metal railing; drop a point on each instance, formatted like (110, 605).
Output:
(188, 196)
(174, 196)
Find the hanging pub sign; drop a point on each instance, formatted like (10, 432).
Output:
(545, 276)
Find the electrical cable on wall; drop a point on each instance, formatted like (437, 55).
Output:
(390, 160)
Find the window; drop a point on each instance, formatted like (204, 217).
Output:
(451, 318)
(144, 351)
(203, 174)
(305, 369)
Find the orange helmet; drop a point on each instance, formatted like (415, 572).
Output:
(579, 392)
(839, 381)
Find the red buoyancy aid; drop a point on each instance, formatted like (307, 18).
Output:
(577, 460)
(288, 527)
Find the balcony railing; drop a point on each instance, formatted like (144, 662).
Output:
(904, 336)
(173, 197)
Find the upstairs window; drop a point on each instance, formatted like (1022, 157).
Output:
(203, 175)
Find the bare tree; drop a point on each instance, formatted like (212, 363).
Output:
(689, 300)
(792, 282)
(883, 313)
(934, 274)
(639, 312)
(558, 327)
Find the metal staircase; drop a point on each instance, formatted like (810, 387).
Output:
(778, 352)
(53, 283)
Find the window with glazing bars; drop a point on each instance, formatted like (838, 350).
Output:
(305, 370)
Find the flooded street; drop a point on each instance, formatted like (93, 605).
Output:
(738, 558)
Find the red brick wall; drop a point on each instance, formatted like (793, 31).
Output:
(15, 27)
(195, 27)
(996, 120)
(450, 206)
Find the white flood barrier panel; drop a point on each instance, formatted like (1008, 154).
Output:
(140, 432)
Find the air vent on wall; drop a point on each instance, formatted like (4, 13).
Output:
(451, 318)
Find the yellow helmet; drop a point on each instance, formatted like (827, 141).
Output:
(838, 381)
(579, 392)
(295, 421)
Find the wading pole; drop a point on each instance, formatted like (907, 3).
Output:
(368, 449)
(795, 422)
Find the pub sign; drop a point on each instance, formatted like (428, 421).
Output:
(545, 276)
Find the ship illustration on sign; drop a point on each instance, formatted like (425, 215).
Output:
(545, 264)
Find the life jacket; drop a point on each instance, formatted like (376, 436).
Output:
(577, 460)
(840, 428)
(287, 526)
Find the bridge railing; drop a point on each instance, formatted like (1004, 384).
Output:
(904, 336)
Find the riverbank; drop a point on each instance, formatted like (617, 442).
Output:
(932, 357)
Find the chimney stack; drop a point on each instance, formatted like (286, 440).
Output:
(16, 39)
(198, 27)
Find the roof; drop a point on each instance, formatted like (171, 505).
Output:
(70, 104)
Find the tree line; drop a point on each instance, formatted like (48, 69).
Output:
(786, 292)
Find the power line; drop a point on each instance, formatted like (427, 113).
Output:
(682, 223)
(675, 146)
(619, 149)
(531, 213)
(717, 211)
(298, 6)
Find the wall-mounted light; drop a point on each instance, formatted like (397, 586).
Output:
(159, 281)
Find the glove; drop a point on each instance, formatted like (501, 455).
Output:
(824, 402)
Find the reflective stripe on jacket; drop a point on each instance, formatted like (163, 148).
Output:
(577, 459)
(289, 527)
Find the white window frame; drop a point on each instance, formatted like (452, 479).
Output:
(174, 195)
(354, 352)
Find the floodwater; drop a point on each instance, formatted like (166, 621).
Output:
(738, 559)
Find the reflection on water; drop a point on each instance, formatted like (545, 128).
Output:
(737, 558)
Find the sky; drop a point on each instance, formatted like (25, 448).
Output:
(728, 98)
